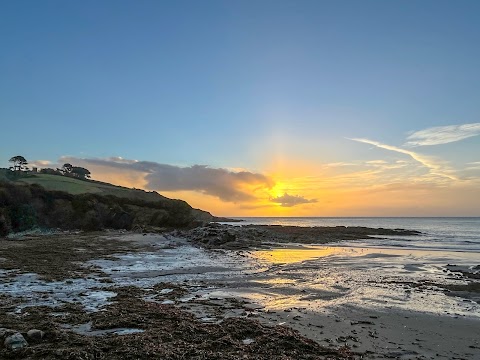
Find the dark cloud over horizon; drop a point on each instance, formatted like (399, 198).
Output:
(222, 183)
(287, 200)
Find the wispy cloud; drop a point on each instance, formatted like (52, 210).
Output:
(339, 164)
(475, 165)
(443, 134)
(287, 200)
(434, 166)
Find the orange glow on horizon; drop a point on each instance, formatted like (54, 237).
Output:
(337, 191)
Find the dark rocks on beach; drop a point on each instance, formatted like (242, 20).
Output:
(469, 273)
(220, 236)
(15, 342)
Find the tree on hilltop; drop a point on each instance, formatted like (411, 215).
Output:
(80, 172)
(66, 169)
(50, 171)
(19, 163)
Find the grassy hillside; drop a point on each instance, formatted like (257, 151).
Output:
(76, 186)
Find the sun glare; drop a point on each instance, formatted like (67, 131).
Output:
(278, 190)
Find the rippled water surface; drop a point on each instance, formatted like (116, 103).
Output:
(455, 234)
(382, 272)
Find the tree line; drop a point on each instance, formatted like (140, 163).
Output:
(19, 165)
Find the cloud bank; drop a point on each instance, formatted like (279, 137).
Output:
(222, 183)
(443, 134)
(287, 200)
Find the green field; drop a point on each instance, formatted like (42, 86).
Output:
(77, 186)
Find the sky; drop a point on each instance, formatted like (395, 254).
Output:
(252, 108)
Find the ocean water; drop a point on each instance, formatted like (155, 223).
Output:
(374, 273)
(460, 234)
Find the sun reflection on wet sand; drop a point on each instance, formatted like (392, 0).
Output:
(325, 277)
(294, 255)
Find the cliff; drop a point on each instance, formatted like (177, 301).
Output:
(54, 201)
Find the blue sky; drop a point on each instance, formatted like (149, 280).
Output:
(257, 86)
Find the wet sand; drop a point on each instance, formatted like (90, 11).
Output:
(139, 291)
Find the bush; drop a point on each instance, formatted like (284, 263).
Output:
(5, 225)
(22, 217)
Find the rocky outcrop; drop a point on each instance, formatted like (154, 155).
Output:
(220, 236)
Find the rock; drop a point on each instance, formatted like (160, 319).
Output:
(15, 342)
(166, 291)
(4, 332)
(248, 341)
(208, 319)
(35, 334)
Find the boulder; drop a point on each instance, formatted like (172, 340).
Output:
(15, 342)
(35, 334)
(4, 332)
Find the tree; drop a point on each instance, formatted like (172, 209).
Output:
(19, 163)
(80, 172)
(50, 171)
(66, 168)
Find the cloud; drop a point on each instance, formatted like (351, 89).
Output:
(287, 200)
(443, 134)
(339, 164)
(376, 162)
(227, 185)
(40, 163)
(434, 166)
(473, 166)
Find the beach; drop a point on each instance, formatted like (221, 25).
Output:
(283, 295)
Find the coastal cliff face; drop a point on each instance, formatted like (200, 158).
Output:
(26, 206)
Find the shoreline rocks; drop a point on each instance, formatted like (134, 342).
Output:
(222, 236)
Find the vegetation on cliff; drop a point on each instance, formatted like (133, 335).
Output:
(41, 200)
(27, 206)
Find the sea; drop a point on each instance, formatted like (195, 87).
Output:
(367, 273)
(458, 234)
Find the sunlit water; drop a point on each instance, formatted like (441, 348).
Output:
(381, 273)
(457, 234)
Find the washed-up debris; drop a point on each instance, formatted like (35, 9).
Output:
(169, 333)
(362, 322)
(344, 339)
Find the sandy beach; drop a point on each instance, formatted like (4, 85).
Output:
(128, 295)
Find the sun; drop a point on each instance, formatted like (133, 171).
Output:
(277, 190)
